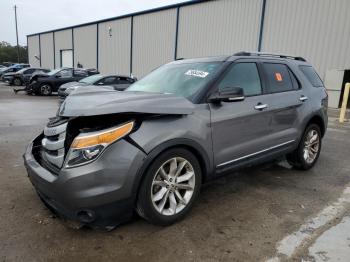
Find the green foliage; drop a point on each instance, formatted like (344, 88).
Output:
(8, 53)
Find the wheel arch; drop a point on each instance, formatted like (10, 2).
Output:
(190, 145)
(318, 120)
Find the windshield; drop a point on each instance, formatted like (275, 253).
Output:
(90, 79)
(179, 79)
(51, 73)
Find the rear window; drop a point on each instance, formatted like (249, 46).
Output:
(279, 78)
(311, 75)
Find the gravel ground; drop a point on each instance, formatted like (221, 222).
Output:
(240, 217)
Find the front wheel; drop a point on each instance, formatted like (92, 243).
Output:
(170, 187)
(17, 82)
(308, 151)
(45, 90)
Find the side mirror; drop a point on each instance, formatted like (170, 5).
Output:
(229, 95)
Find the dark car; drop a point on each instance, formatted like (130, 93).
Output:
(45, 84)
(150, 147)
(12, 69)
(8, 64)
(22, 76)
(119, 83)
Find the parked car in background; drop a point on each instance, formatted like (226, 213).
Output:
(119, 83)
(22, 76)
(45, 84)
(8, 64)
(12, 69)
(150, 147)
(2, 66)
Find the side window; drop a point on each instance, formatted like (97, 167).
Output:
(65, 73)
(80, 73)
(278, 78)
(311, 75)
(109, 80)
(124, 80)
(244, 75)
(29, 71)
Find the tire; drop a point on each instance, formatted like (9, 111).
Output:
(299, 159)
(45, 90)
(17, 82)
(170, 208)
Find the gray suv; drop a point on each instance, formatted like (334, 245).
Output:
(149, 148)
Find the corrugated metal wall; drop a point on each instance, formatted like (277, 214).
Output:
(318, 30)
(114, 47)
(47, 55)
(63, 40)
(218, 27)
(153, 41)
(85, 46)
(33, 49)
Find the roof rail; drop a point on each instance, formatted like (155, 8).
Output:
(245, 53)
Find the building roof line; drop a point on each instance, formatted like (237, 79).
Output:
(162, 8)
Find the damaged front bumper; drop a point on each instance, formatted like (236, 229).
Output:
(32, 87)
(99, 194)
(7, 79)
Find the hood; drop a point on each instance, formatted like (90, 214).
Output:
(70, 84)
(88, 89)
(10, 74)
(91, 101)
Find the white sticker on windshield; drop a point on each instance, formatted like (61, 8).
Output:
(197, 73)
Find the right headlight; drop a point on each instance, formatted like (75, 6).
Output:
(87, 147)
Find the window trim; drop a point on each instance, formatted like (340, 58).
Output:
(241, 61)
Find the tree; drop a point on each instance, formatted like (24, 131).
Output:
(8, 53)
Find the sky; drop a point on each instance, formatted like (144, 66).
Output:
(41, 15)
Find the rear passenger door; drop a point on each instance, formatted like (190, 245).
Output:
(285, 101)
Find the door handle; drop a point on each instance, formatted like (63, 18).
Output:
(303, 98)
(260, 106)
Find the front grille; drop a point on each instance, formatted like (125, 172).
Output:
(53, 150)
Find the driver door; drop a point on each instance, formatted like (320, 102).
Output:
(240, 129)
(62, 77)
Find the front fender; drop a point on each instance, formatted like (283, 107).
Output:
(190, 131)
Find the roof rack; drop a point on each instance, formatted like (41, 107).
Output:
(244, 53)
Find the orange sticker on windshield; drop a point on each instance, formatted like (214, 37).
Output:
(278, 77)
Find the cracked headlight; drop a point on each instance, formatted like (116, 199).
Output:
(86, 147)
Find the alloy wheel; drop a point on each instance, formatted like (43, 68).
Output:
(45, 90)
(311, 146)
(173, 186)
(17, 82)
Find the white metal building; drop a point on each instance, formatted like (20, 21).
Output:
(318, 30)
